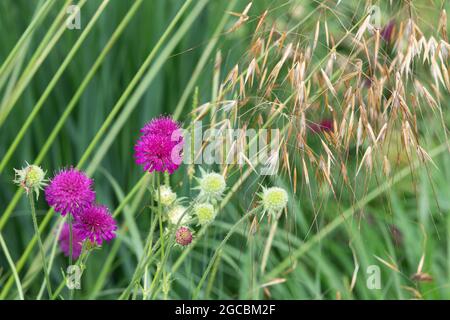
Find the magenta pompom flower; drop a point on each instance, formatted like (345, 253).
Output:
(160, 145)
(70, 191)
(64, 241)
(96, 224)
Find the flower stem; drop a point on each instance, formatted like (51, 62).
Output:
(219, 250)
(161, 233)
(148, 251)
(69, 218)
(41, 247)
(272, 231)
(52, 257)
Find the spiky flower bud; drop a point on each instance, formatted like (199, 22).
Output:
(274, 199)
(183, 236)
(167, 195)
(177, 213)
(205, 213)
(212, 185)
(31, 178)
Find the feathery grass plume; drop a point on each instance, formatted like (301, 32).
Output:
(31, 178)
(183, 236)
(96, 224)
(160, 146)
(70, 191)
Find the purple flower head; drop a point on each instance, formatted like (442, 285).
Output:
(160, 145)
(64, 241)
(387, 31)
(323, 126)
(70, 191)
(96, 224)
(162, 126)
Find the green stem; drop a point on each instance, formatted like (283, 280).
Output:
(41, 246)
(147, 253)
(79, 263)
(11, 265)
(70, 239)
(69, 218)
(57, 233)
(218, 250)
(272, 231)
(161, 232)
(170, 245)
(139, 271)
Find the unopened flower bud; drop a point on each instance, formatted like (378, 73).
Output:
(183, 236)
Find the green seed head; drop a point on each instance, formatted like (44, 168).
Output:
(31, 178)
(176, 213)
(167, 195)
(205, 213)
(212, 184)
(274, 199)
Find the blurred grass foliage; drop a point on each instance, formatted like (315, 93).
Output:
(78, 77)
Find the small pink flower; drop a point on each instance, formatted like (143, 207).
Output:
(160, 145)
(183, 236)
